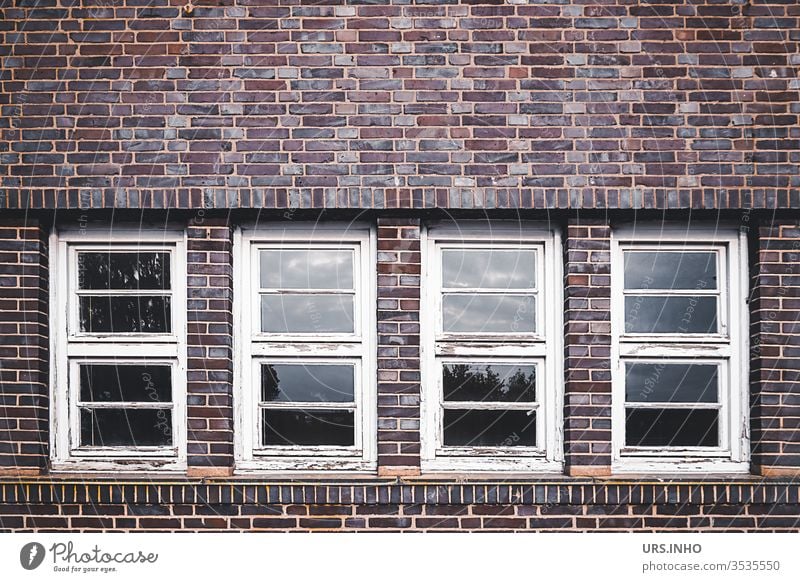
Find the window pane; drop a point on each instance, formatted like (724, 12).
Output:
(307, 383)
(671, 428)
(123, 270)
(670, 270)
(489, 428)
(490, 268)
(489, 313)
(308, 427)
(118, 427)
(489, 382)
(306, 269)
(137, 314)
(654, 314)
(307, 313)
(125, 383)
(670, 382)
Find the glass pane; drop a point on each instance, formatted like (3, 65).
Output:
(125, 383)
(489, 268)
(308, 427)
(489, 382)
(658, 314)
(662, 382)
(489, 428)
(127, 314)
(489, 313)
(123, 270)
(671, 428)
(307, 313)
(307, 383)
(670, 270)
(120, 427)
(306, 269)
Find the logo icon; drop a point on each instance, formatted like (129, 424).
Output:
(31, 555)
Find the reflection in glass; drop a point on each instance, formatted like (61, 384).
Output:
(118, 427)
(125, 383)
(123, 270)
(488, 313)
(670, 270)
(306, 269)
(661, 382)
(489, 382)
(664, 427)
(681, 314)
(489, 269)
(307, 313)
(489, 428)
(308, 427)
(125, 314)
(307, 383)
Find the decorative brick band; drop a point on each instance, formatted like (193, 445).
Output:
(399, 268)
(573, 506)
(23, 346)
(210, 346)
(587, 347)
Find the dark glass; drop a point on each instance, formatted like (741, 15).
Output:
(307, 383)
(300, 313)
(126, 427)
(484, 313)
(123, 270)
(308, 427)
(658, 314)
(662, 382)
(306, 269)
(664, 427)
(489, 269)
(125, 314)
(488, 382)
(670, 270)
(125, 383)
(489, 428)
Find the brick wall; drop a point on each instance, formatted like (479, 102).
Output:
(399, 107)
(775, 346)
(587, 343)
(23, 346)
(398, 346)
(394, 103)
(210, 346)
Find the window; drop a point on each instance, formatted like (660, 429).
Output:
(492, 321)
(679, 342)
(307, 364)
(117, 309)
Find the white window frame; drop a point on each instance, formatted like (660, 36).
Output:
(252, 347)
(727, 349)
(542, 348)
(70, 348)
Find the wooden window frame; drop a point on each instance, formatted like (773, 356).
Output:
(253, 347)
(542, 348)
(71, 348)
(727, 349)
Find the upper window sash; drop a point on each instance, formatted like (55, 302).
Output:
(519, 302)
(341, 305)
(636, 302)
